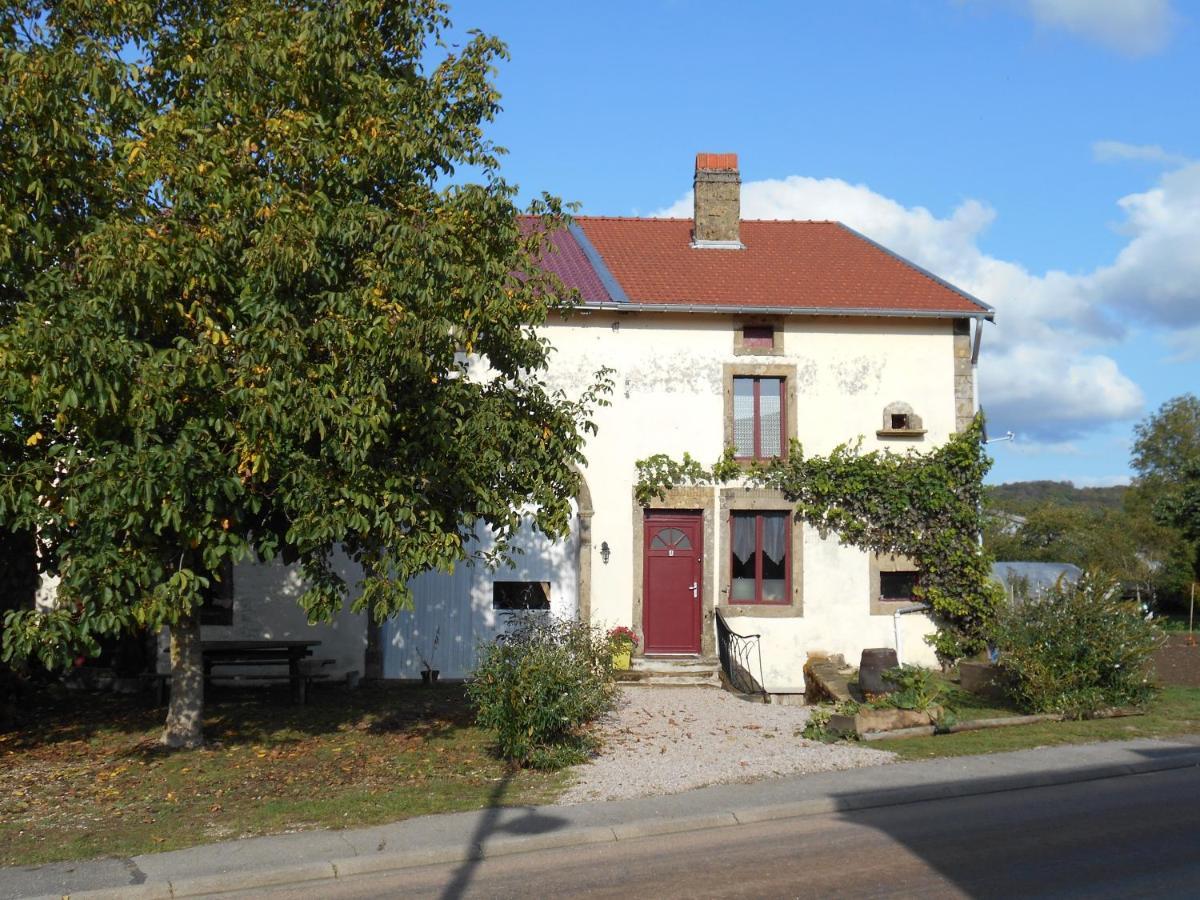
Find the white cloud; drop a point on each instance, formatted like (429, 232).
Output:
(1047, 372)
(1156, 276)
(1132, 27)
(1119, 151)
(1045, 391)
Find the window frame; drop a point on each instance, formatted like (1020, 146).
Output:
(500, 585)
(758, 515)
(758, 337)
(783, 417)
(787, 409)
(884, 573)
(885, 563)
(742, 348)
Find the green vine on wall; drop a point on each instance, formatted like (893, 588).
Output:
(925, 506)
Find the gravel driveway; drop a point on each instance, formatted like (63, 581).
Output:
(662, 740)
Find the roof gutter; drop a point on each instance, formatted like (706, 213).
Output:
(986, 314)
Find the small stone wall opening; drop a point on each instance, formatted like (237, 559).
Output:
(900, 420)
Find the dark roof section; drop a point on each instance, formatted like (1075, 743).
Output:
(570, 263)
(615, 291)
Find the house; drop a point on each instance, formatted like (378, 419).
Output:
(726, 332)
(721, 332)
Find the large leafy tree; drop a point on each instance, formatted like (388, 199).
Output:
(1166, 456)
(238, 295)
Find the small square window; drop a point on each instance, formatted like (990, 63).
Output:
(897, 585)
(899, 421)
(520, 595)
(758, 336)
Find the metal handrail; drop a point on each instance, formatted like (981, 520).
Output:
(734, 652)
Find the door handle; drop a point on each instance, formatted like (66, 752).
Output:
(695, 589)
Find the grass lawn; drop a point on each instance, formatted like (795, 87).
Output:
(1175, 712)
(83, 776)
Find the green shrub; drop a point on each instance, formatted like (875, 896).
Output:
(540, 685)
(916, 689)
(1077, 649)
(817, 726)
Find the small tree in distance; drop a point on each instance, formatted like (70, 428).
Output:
(236, 296)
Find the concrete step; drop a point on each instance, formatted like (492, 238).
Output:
(672, 670)
(674, 664)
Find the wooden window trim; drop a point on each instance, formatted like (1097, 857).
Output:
(787, 411)
(758, 557)
(741, 347)
(757, 381)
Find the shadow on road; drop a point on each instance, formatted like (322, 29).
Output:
(1099, 835)
(528, 821)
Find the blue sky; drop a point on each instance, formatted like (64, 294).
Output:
(1039, 153)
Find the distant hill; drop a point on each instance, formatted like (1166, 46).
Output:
(1021, 496)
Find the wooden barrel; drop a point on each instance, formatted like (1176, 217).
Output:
(876, 661)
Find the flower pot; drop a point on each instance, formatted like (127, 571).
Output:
(622, 657)
(430, 676)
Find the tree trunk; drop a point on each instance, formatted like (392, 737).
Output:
(185, 715)
(373, 657)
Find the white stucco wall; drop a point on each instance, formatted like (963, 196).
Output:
(668, 398)
(265, 608)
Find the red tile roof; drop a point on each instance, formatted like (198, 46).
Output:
(810, 266)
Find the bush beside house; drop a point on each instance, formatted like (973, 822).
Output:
(1077, 648)
(540, 685)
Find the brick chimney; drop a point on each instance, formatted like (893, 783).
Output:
(717, 191)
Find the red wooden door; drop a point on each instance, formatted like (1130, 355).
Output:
(672, 584)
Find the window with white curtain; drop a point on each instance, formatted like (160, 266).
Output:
(759, 547)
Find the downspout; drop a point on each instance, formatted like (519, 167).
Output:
(903, 611)
(975, 345)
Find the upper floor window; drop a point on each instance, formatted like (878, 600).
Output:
(758, 336)
(758, 417)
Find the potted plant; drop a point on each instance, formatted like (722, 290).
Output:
(430, 674)
(623, 640)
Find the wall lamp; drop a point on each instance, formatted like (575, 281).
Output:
(605, 552)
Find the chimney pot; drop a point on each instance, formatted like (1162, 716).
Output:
(717, 193)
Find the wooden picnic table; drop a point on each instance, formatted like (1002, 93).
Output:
(261, 653)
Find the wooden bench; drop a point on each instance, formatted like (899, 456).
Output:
(159, 683)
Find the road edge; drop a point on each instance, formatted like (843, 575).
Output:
(382, 863)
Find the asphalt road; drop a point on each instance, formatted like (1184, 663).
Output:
(1119, 837)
